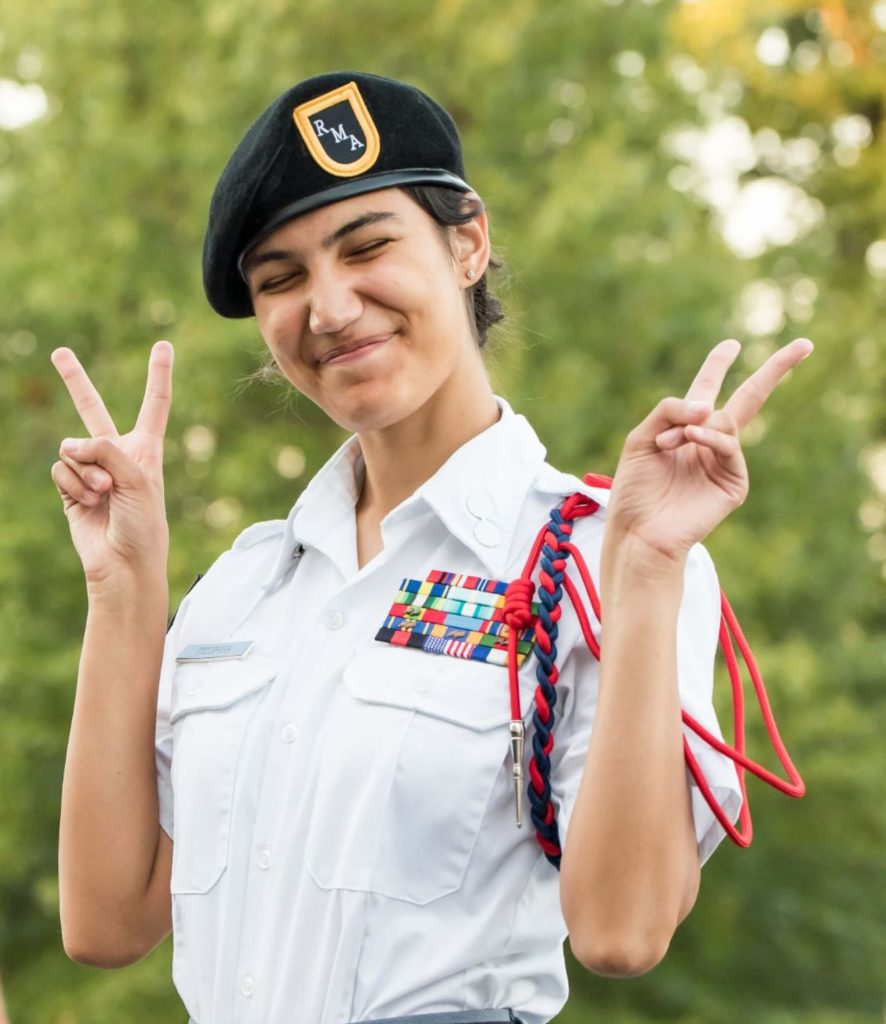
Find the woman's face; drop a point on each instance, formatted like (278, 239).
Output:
(362, 305)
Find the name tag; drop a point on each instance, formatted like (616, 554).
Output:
(215, 652)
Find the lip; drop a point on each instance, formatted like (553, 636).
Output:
(354, 349)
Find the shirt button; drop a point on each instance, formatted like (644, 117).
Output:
(264, 860)
(287, 733)
(487, 533)
(247, 986)
(335, 620)
(480, 505)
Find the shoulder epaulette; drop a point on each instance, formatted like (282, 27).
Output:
(258, 532)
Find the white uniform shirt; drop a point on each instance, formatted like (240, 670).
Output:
(342, 809)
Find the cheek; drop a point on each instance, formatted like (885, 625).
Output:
(270, 324)
(276, 328)
(420, 289)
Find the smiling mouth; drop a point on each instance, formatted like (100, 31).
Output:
(355, 350)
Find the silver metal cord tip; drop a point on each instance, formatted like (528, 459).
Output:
(517, 740)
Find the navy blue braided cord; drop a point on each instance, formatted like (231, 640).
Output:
(541, 807)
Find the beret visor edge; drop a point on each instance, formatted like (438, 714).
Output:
(347, 189)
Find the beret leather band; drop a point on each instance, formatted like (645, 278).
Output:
(353, 187)
(325, 139)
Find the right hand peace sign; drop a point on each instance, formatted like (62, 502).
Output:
(111, 485)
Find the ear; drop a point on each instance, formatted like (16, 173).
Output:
(470, 243)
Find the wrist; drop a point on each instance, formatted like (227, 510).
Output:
(627, 556)
(127, 586)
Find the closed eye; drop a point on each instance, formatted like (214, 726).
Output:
(275, 282)
(371, 247)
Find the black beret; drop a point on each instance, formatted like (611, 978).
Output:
(328, 138)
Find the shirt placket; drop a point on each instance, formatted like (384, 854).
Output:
(322, 607)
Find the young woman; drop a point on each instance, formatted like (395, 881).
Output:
(323, 763)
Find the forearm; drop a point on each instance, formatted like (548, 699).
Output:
(630, 868)
(109, 817)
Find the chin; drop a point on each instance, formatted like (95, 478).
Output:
(374, 409)
(364, 414)
(363, 420)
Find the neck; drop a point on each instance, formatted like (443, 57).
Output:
(400, 458)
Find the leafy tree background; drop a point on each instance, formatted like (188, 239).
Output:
(626, 151)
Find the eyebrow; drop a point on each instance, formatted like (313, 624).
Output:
(269, 255)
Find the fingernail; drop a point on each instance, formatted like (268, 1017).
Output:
(70, 445)
(96, 480)
(89, 498)
(697, 406)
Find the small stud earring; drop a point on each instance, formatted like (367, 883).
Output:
(470, 273)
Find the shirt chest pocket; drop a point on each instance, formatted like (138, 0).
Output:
(407, 764)
(212, 706)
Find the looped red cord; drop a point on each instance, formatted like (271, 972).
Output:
(729, 629)
(518, 614)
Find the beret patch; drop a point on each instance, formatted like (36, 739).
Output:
(339, 131)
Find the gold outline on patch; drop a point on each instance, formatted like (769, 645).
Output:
(302, 116)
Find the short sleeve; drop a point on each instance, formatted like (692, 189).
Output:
(698, 628)
(163, 729)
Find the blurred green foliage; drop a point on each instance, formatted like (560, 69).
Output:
(621, 147)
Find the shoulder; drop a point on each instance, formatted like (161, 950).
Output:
(245, 566)
(253, 554)
(557, 483)
(553, 486)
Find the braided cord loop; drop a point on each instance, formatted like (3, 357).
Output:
(552, 550)
(550, 594)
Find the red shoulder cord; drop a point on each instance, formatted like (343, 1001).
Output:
(553, 548)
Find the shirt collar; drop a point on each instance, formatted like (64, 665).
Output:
(329, 497)
(477, 493)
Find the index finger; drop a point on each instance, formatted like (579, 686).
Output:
(87, 401)
(748, 398)
(154, 413)
(709, 378)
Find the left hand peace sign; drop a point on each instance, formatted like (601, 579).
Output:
(682, 470)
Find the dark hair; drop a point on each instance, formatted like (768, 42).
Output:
(448, 208)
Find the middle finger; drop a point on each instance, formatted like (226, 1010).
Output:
(748, 399)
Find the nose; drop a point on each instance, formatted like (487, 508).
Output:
(333, 302)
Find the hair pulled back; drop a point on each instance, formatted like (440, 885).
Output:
(450, 208)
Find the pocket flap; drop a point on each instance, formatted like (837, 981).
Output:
(210, 685)
(468, 693)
